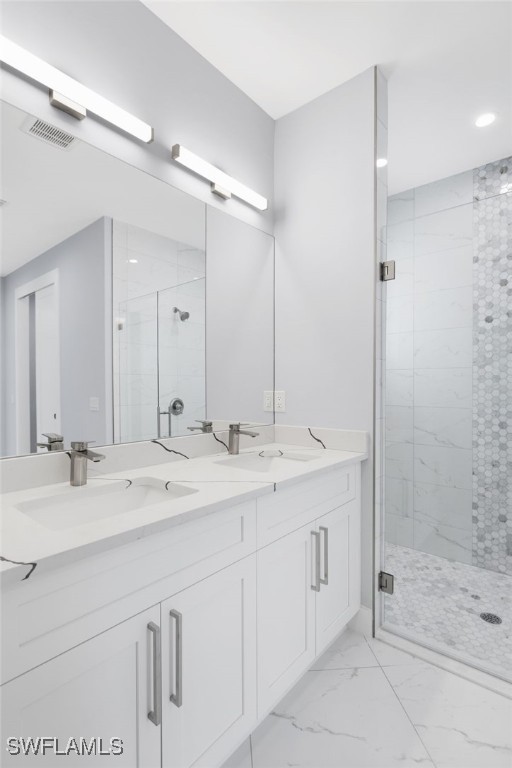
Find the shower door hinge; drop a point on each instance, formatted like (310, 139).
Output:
(387, 270)
(386, 582)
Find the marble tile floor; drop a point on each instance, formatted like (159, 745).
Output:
(366, 704)
(439, 602)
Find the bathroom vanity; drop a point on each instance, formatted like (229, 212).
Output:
(177, 627)
(172, 593)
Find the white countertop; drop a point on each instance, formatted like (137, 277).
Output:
(216, 485)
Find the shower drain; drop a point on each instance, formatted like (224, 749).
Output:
(490, 618)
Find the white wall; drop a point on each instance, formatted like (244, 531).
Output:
(239, 319)
(125, 53)
(325, 268)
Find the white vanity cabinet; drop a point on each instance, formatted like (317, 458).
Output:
(176, 683)
(286, 615)
(209, 668)
(102, 689)
(243, 601)
(338, 598)
(308, 580)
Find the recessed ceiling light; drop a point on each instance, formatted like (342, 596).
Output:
(133, 261)
(382, 162)
(484, 120)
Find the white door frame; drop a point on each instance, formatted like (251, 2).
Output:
(21, 359)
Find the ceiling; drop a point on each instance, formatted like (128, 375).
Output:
(52, 193)
(446, 63)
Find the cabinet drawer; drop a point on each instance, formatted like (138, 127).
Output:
(50, 614)
(291, 508)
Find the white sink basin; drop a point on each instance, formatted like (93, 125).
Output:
(79, 506)
(250, 461)
(297, 456)
(253, 462)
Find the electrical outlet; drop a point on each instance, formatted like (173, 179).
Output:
(94, 403)
(268, 401)
(280, 400)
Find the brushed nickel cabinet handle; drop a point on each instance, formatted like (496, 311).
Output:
(316, 538)
(155, 715)
(325, 531)
(177, 696)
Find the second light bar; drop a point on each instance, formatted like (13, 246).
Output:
(217, 177)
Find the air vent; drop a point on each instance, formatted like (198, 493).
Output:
(44, 131)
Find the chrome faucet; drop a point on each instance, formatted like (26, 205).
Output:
(80, 455)
(234, 437)
(206, 426)
(55, 442)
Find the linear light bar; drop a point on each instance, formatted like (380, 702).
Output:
(218, 179)
(71, 90)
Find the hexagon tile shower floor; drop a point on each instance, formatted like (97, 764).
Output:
(439, 602)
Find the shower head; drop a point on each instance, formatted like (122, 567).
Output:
(183, 315)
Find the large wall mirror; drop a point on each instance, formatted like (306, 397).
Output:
(121, 299)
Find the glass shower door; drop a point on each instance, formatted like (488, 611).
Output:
(137, 375)
(448, 390)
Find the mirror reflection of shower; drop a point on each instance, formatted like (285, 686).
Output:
(183, 315)
(157, 355)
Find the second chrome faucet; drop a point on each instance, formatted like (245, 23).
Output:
(234, 437)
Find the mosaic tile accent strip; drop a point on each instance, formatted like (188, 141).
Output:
(492, 373)
(492, 179)
(439, 602)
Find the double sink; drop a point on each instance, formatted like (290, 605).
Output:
(72, 507)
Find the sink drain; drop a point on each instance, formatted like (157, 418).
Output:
(490, 618)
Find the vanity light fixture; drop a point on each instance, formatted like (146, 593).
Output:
(68, 94)
(484, 120)
(221, 184)
(381, 162)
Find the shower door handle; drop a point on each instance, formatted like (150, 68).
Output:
(159, 427)
(163, 413)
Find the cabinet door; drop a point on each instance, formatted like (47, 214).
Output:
(102, 689)
(340, 568)
(286, 615)
(209, 668)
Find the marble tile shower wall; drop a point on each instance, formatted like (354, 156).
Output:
(155, 354)
(137, 381)
(447, 238)
(181, 352)
(492, 354)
